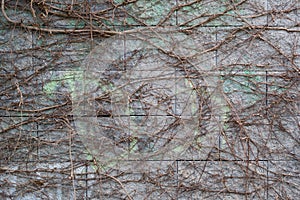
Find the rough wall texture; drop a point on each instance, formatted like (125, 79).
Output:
(140, 99)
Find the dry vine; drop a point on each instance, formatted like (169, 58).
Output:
(223, 72)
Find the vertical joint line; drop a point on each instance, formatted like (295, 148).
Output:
(177, 191)
(267, 8)
(176, 13)
(38, 145)
(267, 179)
(86, 180)
(176, 91)
(266, 95)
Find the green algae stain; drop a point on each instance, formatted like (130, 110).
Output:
(66, 81)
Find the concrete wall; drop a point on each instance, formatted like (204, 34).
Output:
(172, 99)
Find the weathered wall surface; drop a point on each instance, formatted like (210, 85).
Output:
(209, 110)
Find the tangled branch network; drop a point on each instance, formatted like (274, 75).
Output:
(138, 99)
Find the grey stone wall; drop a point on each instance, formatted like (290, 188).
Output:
(231, 66)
